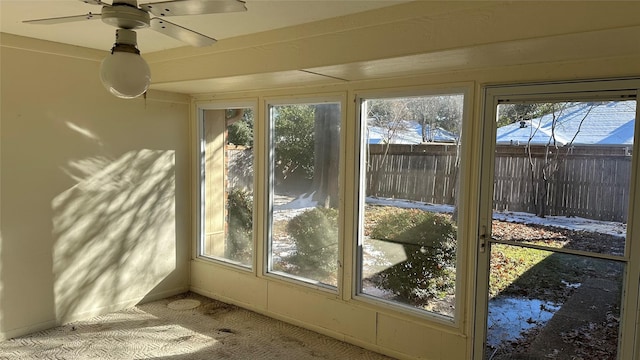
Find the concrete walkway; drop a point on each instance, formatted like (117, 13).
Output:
(589, 304)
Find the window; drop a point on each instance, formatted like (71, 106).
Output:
(227, 185)
(410, 165)
(304, 167)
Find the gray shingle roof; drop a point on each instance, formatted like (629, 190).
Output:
(609, 123)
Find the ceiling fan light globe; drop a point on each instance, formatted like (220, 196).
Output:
(125, 75)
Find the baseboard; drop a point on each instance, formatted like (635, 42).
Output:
(125, 304)
(27, 330)
(92, 313)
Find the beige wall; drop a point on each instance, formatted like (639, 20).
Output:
(95, 209)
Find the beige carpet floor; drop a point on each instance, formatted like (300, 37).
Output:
(186, 326)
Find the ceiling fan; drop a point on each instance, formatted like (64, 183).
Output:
(123, 72)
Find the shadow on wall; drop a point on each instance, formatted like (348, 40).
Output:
(114, 232)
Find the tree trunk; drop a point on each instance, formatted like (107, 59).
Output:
(327, 155)
(453, 194)
(541, 209)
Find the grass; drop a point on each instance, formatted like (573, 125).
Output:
(546, 275)
(509, 263)
(521, 271)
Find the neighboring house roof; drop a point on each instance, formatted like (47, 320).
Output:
(410, 133)
(609, 123)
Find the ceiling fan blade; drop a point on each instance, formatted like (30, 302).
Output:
(193, 7)
(94, 2)
(64, 19)
(178, 32)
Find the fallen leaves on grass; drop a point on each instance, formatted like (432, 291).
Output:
(558, 238)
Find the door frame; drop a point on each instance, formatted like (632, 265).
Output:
(629, 340)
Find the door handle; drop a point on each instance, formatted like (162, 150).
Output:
(482, 237)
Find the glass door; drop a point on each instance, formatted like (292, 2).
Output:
(556, 276)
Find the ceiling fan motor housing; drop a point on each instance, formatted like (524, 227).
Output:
(125, 16)
(126, 40)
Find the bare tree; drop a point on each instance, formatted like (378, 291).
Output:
(424, 111)
(436, 112)
(553, 156)
(390, 115)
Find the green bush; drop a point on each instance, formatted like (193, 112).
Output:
(429, 242)
(239, 133)
(315, 233)
(294, 141)
(240, 226)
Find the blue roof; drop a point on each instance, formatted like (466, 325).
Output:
(608, 123)
(409, 133)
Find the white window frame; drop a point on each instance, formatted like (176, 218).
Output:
(466, 170)
(267, 149)
(199, 166)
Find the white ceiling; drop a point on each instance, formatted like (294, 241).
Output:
(262, 15)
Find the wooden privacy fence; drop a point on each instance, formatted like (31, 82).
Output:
(591, 181)
(424, 173)
(239, 163)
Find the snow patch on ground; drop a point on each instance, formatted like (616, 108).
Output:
(286, 207)
(570, 223)
(409, 204)
(301, 202)
(571, 285)
(508, 317)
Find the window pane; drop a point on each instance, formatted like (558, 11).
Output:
(410, 168)
(566, 165)
(228, 185)
(305, 145)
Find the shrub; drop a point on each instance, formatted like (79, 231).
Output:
(429, 243)
(294, 141)
(240, 225)
(239, 133)
(315, 233)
